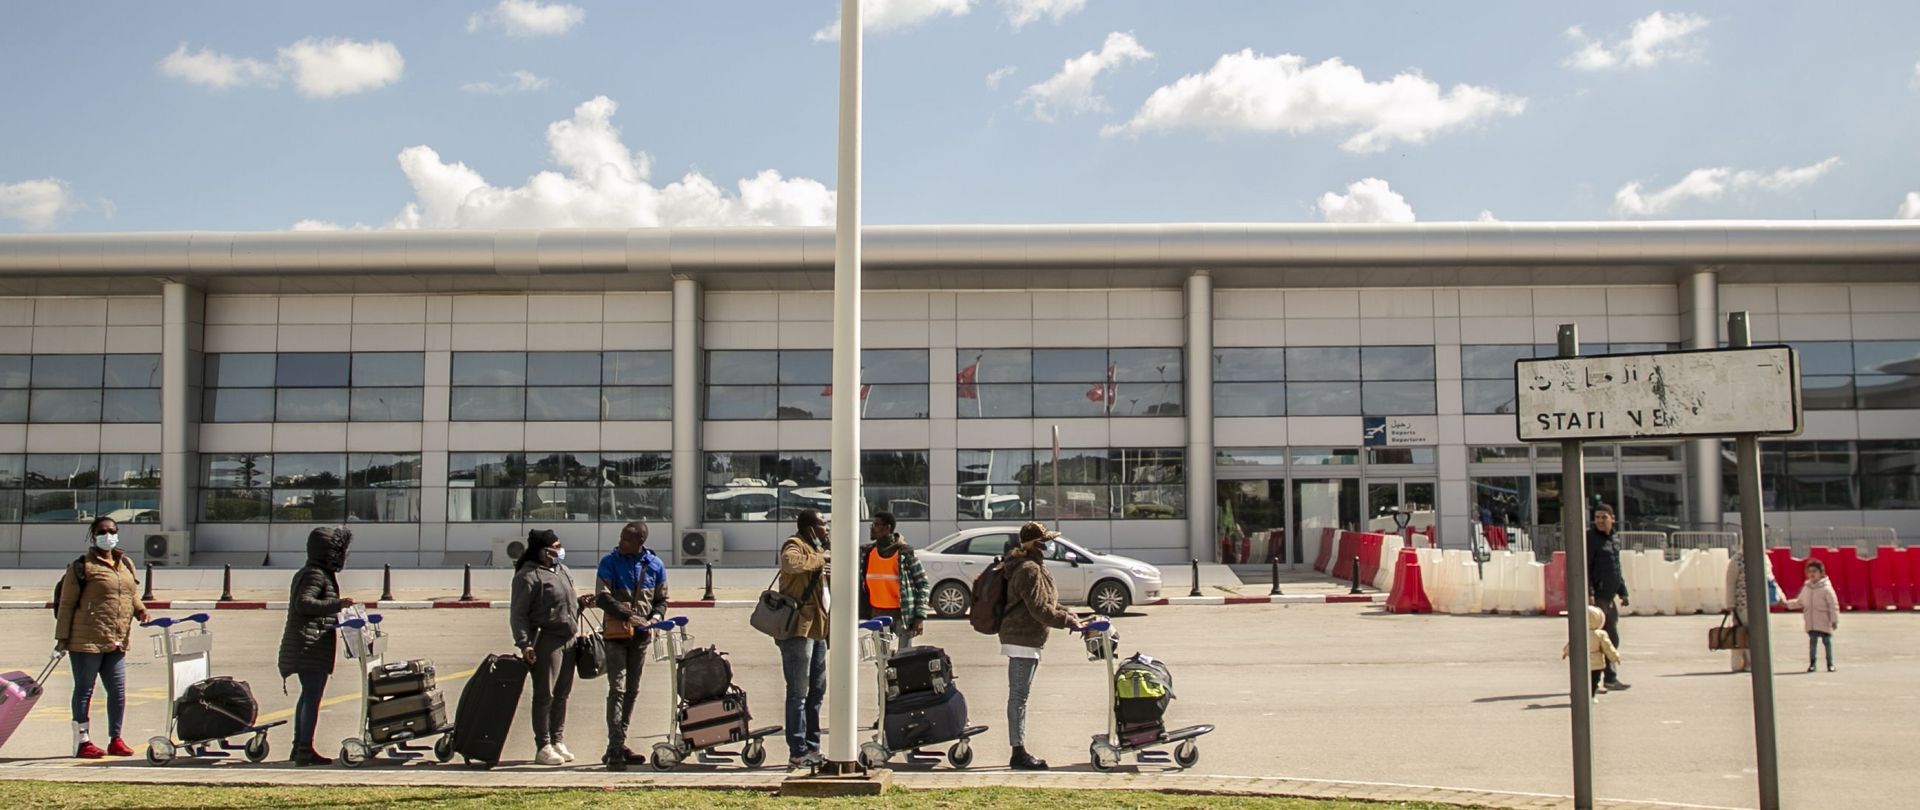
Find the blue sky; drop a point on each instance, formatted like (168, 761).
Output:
(257, 116)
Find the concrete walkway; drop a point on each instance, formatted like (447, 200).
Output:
(1124, 778)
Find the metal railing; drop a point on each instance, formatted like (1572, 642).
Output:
(1543, 541)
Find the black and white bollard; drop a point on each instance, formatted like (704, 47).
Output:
(1354, 588)
(386, 583)
(226, 584)
(148, 595)
(1195, 590)
(707, 596)
(466, 584)
(1276, 577)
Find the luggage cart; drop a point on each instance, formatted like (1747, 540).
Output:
(878, 646)
(188, 653)
(366, 644)
(1106, 750)
(670, 638)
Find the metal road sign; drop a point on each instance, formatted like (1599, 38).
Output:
(1703, 393)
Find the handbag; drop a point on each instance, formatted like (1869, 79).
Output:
(1727, 637)
(589, 654)
(777, 614)
(616, 630)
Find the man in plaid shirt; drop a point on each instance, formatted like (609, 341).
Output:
(892, 583)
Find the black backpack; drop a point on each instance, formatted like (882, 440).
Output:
(705, 674)
(78, 568)
(215, 709)
(989, 599)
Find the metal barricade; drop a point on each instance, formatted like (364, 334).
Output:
(1643, 541)
(1681, 542)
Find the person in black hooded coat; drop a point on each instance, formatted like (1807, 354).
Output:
(310, 643)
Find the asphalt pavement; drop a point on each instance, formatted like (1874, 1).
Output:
(1340, 692)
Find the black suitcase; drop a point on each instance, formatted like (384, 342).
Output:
(487, 704)
(1140, 710)
(919, 669)
(925, 718)
(410, 678)
(410, 726)
(714, 722)
(214, 709)
(704, 675)
(381, 711)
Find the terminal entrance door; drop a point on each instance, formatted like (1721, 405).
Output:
(1320, 504)
(1251, 518)
(1415, 495)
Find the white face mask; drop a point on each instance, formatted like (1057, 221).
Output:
(106, 541)
(559, 553)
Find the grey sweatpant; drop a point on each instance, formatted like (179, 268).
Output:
(552, 685)
(1020, 672)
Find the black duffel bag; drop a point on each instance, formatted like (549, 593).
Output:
(704, 675)
(214, 709)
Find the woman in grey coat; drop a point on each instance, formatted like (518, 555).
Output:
(545, 617)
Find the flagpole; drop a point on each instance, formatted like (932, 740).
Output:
(843, 650)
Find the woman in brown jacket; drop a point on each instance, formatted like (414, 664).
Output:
(1033, 606)
(99, 604)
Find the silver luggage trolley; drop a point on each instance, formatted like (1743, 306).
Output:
(1106, 750)
(188, 653)
(366, 644)
(878, 645)
(669, 641)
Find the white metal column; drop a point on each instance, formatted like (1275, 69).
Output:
(1200, 506)
(843, 652)
(179, 419)
(688, 505)
(1700, 329)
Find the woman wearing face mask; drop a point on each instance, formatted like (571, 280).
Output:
(545, 615)
(99, 605)
(309, 644)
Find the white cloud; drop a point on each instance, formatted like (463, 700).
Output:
(324, 68)
(880, 16)
(319, 68)
(998, 75)
(523, 82)
(600, 183)
(217, 70)
(1656, 38)
(324, 225)
(1915, 84)
(37, 204)
(1713, 184)
(528, 18)
(1910, 207)
(1368, 200)
(1072, 88)
(1249, 92)
(1486, 216)
(1022, 12)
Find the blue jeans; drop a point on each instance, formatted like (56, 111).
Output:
(1815, 640)
(306, 710)
(804, 663)
(110, 668)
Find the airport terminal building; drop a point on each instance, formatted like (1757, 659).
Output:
(442, 391)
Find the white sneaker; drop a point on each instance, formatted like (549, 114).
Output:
(549, 755)
(565, 753)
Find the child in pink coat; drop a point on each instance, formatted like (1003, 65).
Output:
(1600, 649)
(1819, 610)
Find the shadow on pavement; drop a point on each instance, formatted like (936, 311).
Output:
(1504, 698)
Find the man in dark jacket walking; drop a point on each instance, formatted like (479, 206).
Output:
(1606, 582)
(309, 644)
(630, 588)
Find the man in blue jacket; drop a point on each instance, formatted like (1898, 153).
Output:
(631, 589)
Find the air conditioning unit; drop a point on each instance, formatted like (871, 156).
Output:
(507, 550)
(168, 549)
(699, 547)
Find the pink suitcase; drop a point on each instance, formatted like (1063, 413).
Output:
(18, 692)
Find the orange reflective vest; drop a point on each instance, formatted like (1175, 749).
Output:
(883, 580)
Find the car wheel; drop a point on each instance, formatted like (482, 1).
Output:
(1109, 598)
(951, 600)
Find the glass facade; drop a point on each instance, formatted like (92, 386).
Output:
(778, 486)
(79, 388)
(798, 384)
(1324, 381)
(561, 386)
(612, 487)
(1068, 383)
(78, 487)
(1486, 371)
(313, 387)
(310, 488)
(1095, 484)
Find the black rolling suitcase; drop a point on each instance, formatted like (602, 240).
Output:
(407, 678)
(381, 711)
(487, 704)
(925, 718)
(919, 669)
(406, 727)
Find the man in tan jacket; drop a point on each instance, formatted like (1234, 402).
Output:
(803, 657)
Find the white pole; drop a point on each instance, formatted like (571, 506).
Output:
(843, 651)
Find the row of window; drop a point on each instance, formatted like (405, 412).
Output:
(78, 487)
(1834, 375)
(547, 487)
(1094, 484)
(310, 488)
(68, 388)
(1324, 381)
(313, 387)
(1830, 475)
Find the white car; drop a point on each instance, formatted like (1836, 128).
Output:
(1107, 583)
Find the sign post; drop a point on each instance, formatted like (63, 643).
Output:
(1743, 391)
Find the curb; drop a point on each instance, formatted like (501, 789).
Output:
(402, 604)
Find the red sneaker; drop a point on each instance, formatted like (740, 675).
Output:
(118, 748)
(89, 751)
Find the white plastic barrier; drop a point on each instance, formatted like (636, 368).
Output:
(1689, 587)
(1713, 580)
(1665, 576)
(1389, 553)
(1532, 586)
(1465, 587)
(1493, 581)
